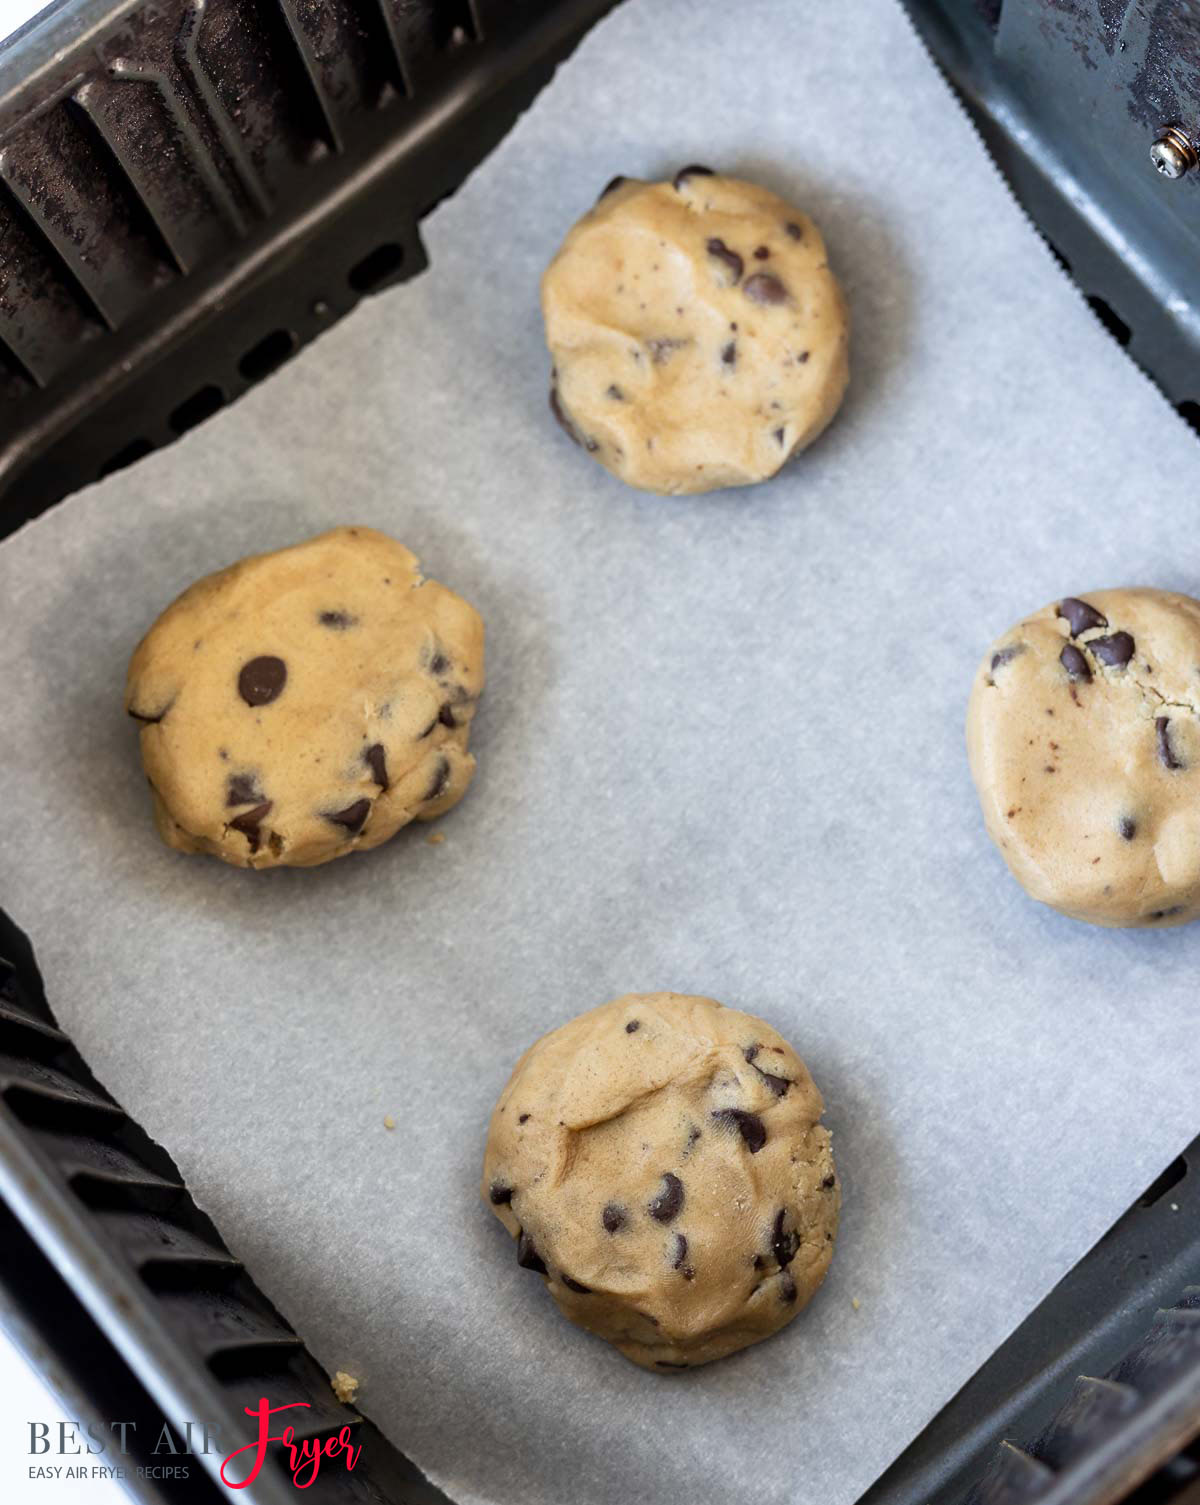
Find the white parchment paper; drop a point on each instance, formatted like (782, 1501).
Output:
(720, 751)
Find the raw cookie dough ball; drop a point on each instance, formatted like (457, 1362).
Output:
(661, 1161)
(698, 335)
(308, 703)
(1083, 733)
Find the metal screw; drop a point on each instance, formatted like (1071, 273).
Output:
(1173, 154)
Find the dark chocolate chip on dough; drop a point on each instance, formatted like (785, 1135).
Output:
(633, 1026)
(242, 790)
(730, 260)
(1127, 826)
(446, 717)
(353, 817)
(679, 1262)
(1073, 661)
(148, 719)
(787, 1288)
(262, 679)
(613, 1218)
(829, 1183)
(765, 287)
(749, 1126)
(439, 781)
(248, 823)
(761, 253)
(778, 1084)
(1079, 616)
(1006, 655)
(499, 1193)
(784, 1241)
(338, 620)
(794, 230)
(669, 1202)
(1115, 651)
(376, 760)
(1166, 753)
(694, 171)
(729, 354)
(527, 1256)
(611, 184)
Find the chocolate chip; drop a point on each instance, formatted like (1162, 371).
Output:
(248, 823)
(777, 435)
(761, 253)
(681, 1249)
(499, 1193)
(575, 1285)
(662, 347)
(242, 790)
(758, 1262)
(527, 1256)
(730, 260)
(353, 817)
(829, 1183)
(765, 287)
(338, 620)
(439, 663)
(376, 760)
(794, 230)
(693, 1135)
(778, 1084)
(1127, 826)
(614, 1218)
(749, 1126)
(611, 184)
(784, 1241)
(666, 1364)
(615, 393)
(694, 171)
(633, 1026)
(1166, 755)
(1006, 655)
(523, 1118)
(668, 1203)
(787, 1288)
(440, 779)
(729, 354)
(1115, 651)
(1166, 914)
(150, 720)
(1079, 616)
(262, 680)
(1074, 662)
(561, 418)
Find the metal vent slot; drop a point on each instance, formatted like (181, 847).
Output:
(168, 1255)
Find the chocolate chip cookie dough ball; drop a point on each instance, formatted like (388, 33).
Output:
(1084, 738)
(660, 1160)
(697, 333)
(305, 704)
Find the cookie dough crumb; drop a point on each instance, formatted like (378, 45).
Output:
(388, 1121)
(436, 839)
(344, 1386)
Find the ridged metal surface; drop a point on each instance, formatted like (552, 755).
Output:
(190, 191)
(131, 1216)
